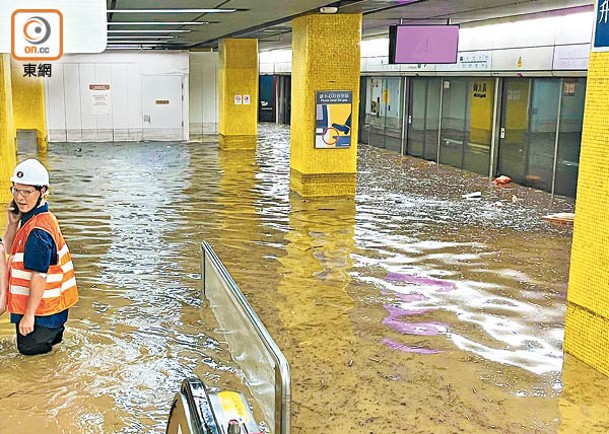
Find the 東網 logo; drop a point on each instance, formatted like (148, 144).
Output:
(37, 34)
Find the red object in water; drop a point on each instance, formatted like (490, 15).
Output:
(503, 179)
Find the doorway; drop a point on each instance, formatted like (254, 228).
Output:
(162, 105)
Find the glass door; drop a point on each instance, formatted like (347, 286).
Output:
(467, 123)
(392, 107)
(513, 133)
(455, 128)
(545, 101)
(383, 115)
(424, 117)
(374, 122)
(479, 121)
(528, 131)
(570, 136)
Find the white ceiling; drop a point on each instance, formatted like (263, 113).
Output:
(269, 20)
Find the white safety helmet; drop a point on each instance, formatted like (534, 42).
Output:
(31, 172)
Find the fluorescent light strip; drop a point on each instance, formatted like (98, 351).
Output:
(169, 11)
(132, 47)
(111, 37)
(143, 41)
(157, 23)
(150, 31)
(135, 44)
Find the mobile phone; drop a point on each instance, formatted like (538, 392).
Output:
(15, 209)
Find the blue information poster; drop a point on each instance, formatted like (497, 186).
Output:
(333, 119)
(600, 42)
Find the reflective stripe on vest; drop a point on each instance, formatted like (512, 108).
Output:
(60, 291)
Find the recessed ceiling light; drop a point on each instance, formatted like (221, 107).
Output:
(169, 11)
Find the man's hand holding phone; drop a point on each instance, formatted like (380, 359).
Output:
(13, 213)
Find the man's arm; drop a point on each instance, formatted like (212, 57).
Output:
(37, 287)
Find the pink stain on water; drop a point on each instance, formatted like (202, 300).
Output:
(415, 328)
(407, 348)
(442, 285)
(428, 328)
(408, 298)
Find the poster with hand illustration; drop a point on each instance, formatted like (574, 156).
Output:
(333, 119)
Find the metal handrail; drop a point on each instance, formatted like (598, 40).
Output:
(281, 368)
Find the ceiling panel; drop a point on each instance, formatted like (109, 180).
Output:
(270, 20)
(251, 18)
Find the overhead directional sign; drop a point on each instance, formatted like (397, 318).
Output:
(44, 30)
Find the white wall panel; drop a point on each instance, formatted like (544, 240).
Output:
(203, 93)
(120, 102)
(88, 122)
(530, 33)
(124, 72)
(571, 57)
(103, 75)
(575, 28)
(210, 94)
(71, 84)
(56, 105)
(134, 86)
(530, 59)
(476, 38)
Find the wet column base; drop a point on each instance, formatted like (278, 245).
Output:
(322, 184)
(587, 337)
(237, 142)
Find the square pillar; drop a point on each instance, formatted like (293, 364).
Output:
(587, 321)
(238, 93)
(324, 126)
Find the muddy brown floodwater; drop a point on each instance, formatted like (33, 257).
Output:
(405, 310)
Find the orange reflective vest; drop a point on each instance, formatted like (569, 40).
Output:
(61, 291)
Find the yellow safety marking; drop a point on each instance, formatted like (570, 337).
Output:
(233, 404)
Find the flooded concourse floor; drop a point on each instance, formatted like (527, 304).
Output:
(406, 310)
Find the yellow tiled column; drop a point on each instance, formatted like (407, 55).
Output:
(28, 104)
(326, 57)
(587, 322)
(238, 93)
(8, 155)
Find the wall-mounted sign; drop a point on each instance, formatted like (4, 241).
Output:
(238, 99)
(333, 119)
(100, 99)
(161, 101)
(479, 89)
(569, 88)
(246, 99)
(600, 40)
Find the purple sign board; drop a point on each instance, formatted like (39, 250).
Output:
(423, 43)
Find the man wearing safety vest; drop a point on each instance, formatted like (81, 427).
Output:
(41, 282)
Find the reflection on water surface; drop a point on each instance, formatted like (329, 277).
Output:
(408, 309)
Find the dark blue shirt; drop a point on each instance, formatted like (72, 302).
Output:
(39, 253)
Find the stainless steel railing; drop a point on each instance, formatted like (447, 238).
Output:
(266, 370)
